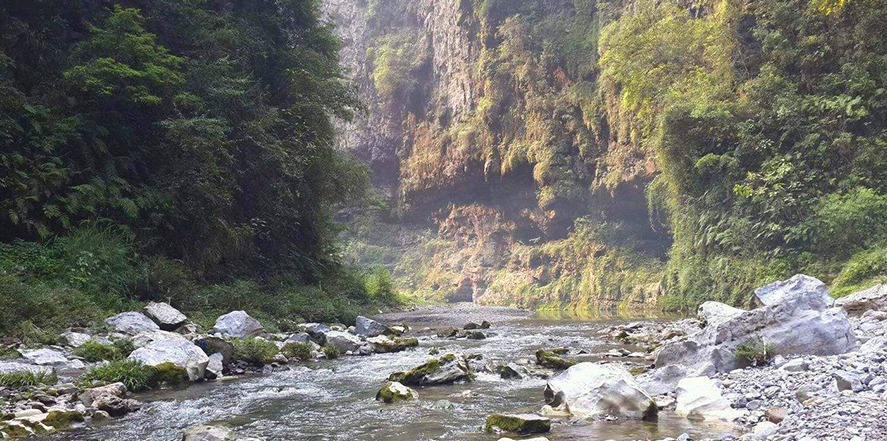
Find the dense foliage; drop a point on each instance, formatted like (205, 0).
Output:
(152, 148)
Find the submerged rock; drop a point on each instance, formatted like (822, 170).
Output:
(167, 317)
(797, 320)
(520, 424)
(444, 370)
(131, 323)
(701, 398)
(590, 389)
(394, 391)
(368, 327)
(238, 324)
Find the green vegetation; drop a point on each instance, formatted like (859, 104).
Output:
(21, 380)
(255, 351)
(177, 152)
(300, 351)
(754, 353)
(93, 351)
(133, 374)
(331, 352)
(169, 374)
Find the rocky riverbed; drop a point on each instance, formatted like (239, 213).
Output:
(459, 372)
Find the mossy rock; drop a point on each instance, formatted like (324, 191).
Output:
(14, 430)
(63, 419)
(170, 374)
(395, 345)
(524, 424)
(447, 369)
(550, 360)
(417, 374)
(393, 392)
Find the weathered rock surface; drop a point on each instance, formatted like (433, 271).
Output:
(701, 398)
(797, 320)
(111, 399)
(131, 323)
(238, 324)
(8, 367)
(367, 327)
(714, 313)
(520, 424)
(663, 380)
(181, 353)
(45, 357)
(590, 389)
(448, 369)
(394, 391)
(76, 339)
(343, 340)
(143, 339)
(872, 299)
(384, 345)
(167, 317)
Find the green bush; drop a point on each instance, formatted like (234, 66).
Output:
(255, 351)
(754, 353)
(93, 351)
(40, 311)
(124, 346)
(133, 374)
(20, 380)
(301, 351)
(331, 352)
(845, 222)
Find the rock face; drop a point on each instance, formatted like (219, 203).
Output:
(701, 398)
(367, 327)
(238, 324)
(872, 299)
(181, 353)
(797, 320)
(394, 391)
(167, 317)
(131, 323)
(520, 424)
(590, 389)
(444, 370)
(714, 313)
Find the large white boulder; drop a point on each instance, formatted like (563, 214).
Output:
(238, 324)
(178, 352)
(143, 339)
(797, 320)
(714, 313)
(872, 299)
(590, 389)
(167, 317)
(9, 367)
(701, 398)
(131, 323)
(368, 327)
(343, 340)
(45, 357)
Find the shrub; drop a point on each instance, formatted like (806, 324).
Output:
(20, 380)
(865, 266)
(133, 374)
(754, 353)
(93, 351)
(125, 347)
(301, 351)
(255, 351)
(7, 352)
(331, 352)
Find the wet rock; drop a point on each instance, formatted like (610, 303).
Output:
(520, 424)
(208, 433)
(111, 399)
(394, 392)
(512, 371)
(131, 323)
(237, 324)
(590, 389)
(343, 340)
(795, 321)
(167, 317)
(89, 396)
(485, 325)
(181, 353)
(701, 398)
(550, 360)
(444, 370)
(872, 299)
(216, 365)
(471, 326)
(367, 327)
(384, 345)
(713, 313)
(475, 335)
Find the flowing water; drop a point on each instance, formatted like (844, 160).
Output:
(334, 400)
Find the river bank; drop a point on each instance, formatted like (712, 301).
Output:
(788, 398)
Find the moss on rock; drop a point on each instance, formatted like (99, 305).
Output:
(63, 419)
(550, 360)
(170, 374)
(394, 392)
(518, 424)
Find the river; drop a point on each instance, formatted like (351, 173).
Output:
(334, 400)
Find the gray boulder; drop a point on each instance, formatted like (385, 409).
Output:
(237, 324)
(167, 317)
(131, 323)
(872, 299)
(590, 389)
(448, 369)
(663, 380)
(367, 327)
(9, 367)
(208, 433)
(76, 339)
(181, 353)
(343, 340)
(797, 321)
(45, 357)
(143, 339)
(701, 398)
